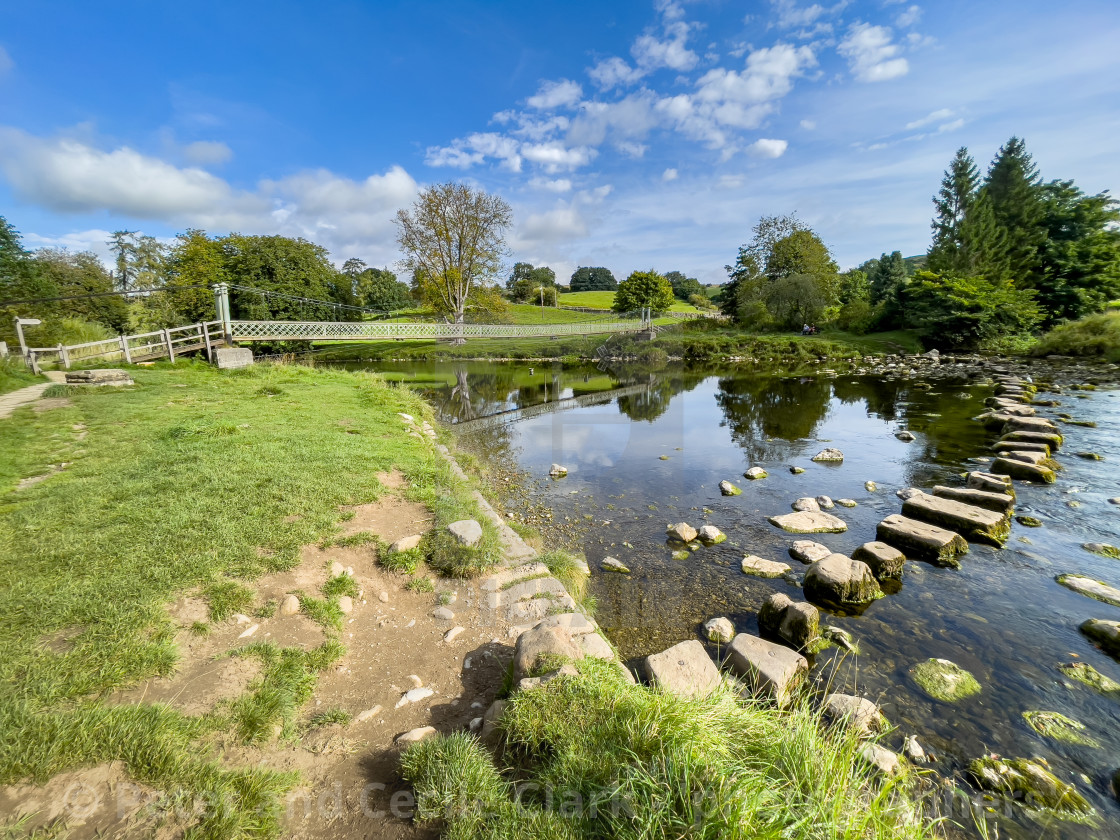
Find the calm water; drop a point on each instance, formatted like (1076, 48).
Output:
(1001, 616)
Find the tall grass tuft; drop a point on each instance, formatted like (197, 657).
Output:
(1095, 335)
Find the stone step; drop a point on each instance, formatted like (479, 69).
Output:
(809, 522)
(1031, 424)
(1020, 446)
(921, 540)
(975, 524)
(1022, 471)
(1052, 439)
(990, 483)
(1027, 456)
(998, 502)
(767, 668)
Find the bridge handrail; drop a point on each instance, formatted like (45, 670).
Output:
(344, 330)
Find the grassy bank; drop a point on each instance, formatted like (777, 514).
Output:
(193, 482)
(605, 300)
(592, 756)
(14, 374)
(1096, 336)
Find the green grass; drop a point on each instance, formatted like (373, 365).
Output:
(605, 300)
(162, 500)
(421, 584)
(627, 762)
(14, 374)
(1094, 336)
(526, 313)
(569, 570)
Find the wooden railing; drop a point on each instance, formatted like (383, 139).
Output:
(142, 347)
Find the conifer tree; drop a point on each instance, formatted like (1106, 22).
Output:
(1014, 187)
(951, 204)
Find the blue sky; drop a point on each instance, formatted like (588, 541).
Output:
(631, 135)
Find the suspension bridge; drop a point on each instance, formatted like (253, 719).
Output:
(225, 331)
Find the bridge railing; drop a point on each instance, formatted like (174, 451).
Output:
(364, 330)
(133, 348)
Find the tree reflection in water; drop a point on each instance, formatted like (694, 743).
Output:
(758, 410)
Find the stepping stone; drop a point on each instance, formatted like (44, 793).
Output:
(840, 581)
(1027, 456)
(758, 567)
(1031, 424)
(767, 668)
(795, 623)
(1023, 471)
(1021, 446)
(1104, 633)
(808, 551)
(1092, 588)
(885, 561)
(1052, 439)
(998, 502)
(974, 523)
(685, 670)
(809, 522)
(922, 540)
(990, 483)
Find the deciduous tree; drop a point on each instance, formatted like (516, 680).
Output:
(643, 289)
(597, 279)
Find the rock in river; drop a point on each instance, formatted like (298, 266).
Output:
(557, 471)
(830, 455)
(755, 473)
(610, 564)
(806, 503)
(921, 540)
(766, 668)
(808, 551)
(886, 562)
(1105, 633)
(728, 489)
(1029, 781)
(840, 581)
(944, 680)
(719, 630)
(998, 502)
(711, 535)
(974, 523)
(753, 565)
(682, 532)
(809, 522)
(786, 620)
(1092, 588)
(1086, 674)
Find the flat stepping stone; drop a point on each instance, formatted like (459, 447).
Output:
(1053, 439)
(1023, 471)
(1091, 588)
(685, 670)
(922, 540)
(1020, 446)
(973, 523)
(998, 502)
(808, 551)
(885, 561)
(757, 566)
(769, 669)
(809, 522)
(1105, 633)
(1030, 424)
(990, 483)
(1027, 456)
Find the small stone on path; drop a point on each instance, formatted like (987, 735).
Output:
(443, 614)
(452, 634)
(467, 531)
(290, 605)
(414, 736)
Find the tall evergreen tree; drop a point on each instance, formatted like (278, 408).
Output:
(951, 205)
(1013, 186)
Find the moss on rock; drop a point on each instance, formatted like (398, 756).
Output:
(1059, 727)
(944, 680)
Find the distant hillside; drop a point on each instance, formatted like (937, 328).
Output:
(914, 264)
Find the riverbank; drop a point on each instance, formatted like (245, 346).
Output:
(201, 619)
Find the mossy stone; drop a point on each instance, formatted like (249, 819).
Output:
(683, 554)
(1028, 521)
(944, 680)
(1031, 782)
(1086, 674)
(1103, 549)
(1059, 727)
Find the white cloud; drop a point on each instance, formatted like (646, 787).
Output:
(909, 17)
(613, 72)
(652, 53)
(669, 175)
(809, 125)
(632, 150)
(207, 152)
(933, 116)
(767, 148)
(65, 175)
(563, 223)
(6, 62)
(950, 126)
(558, 185)
(555, 156)
(563, 93)
(475, 148)
(729, 182)
(871, 54)
(789, 15)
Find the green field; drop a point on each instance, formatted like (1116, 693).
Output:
(525, 313)
(605, 300)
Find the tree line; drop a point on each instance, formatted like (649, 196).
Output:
(1011, 254)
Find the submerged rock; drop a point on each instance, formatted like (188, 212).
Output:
(728, 489)
(840, 581)
(682, 532)
(1102, 549)
(870, 486)
(1085, 673)
(1059, 727)
(719, 630)
(711, 535)
(944, 680)
(808, 551)
(829, 456)
(611, 564)
(886, 562)
(797, 470)
(1028, 521)
(682, 554)
(1029, 781)
(809, 522)
(840, 637)
(1091, 588)
(1105, 633)
(782, 618)
(753, 565)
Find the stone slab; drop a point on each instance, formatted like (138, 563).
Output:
(998, 502)
(769, 669)
(974, 523)
(1023, 471)
(232, 358)
(885, 561)
(1052, 439)
(809, 522)
(922, 540)
(685, 670)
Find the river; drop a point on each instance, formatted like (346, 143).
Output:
(644, 449)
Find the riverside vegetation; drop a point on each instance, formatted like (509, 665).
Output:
(226, 476)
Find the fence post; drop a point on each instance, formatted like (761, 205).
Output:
(125, 349)
(167, 343)
(205, 330)
(64, 356)
(33, 362)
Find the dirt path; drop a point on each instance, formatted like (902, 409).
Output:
(12, 400)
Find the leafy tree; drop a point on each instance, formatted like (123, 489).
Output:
(796, 299)
(1079, 264)
(379, 288)
(643, 288)
(684, 287)
(529, 284)
(453, 239)
(20, 279)
(292, 267)
(743, 296)
(597, 279)
(80, 276)
(968, 313)
(854, 296)
(123, 244)
(1013, 187)
(195, 260)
